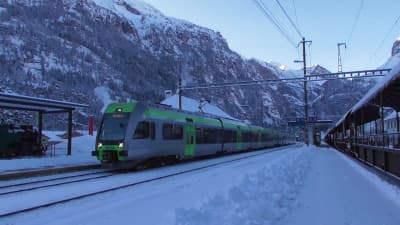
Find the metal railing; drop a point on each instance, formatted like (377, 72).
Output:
(387, 140)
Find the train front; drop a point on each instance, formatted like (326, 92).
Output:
(111, 134)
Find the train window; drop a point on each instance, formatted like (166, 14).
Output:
(152, 131)
(113, 128)
(213, 135)
(199, 135)
(142, 130)
(206, 135)
(229, 136)
(172, 131)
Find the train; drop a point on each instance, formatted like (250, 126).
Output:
(135, 132)
(19, 140)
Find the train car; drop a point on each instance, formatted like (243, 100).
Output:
(131, 133)
(19, 140)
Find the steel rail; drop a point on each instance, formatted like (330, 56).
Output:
(55, 184)
(52, 179)
(136, 183)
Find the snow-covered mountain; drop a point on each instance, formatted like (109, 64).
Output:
(396, 47)
(100, 51)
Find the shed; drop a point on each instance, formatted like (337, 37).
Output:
(41, 106)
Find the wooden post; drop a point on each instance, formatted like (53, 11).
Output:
(397, 121)
(40, 127)
(382, 120)
(180, 93)
(384, 166)
(69, 132)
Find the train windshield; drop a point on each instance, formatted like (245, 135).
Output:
(113, 127)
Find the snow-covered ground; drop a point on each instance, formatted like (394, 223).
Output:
(299, 185)
(339, 191)
(81, 155)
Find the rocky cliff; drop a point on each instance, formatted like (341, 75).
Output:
(99, 51)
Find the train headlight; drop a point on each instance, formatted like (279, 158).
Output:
(121, 145)
(99, 145)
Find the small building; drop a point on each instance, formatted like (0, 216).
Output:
(41, 106)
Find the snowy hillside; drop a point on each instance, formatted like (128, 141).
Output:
(101, 51)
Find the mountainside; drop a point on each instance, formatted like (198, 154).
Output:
(396, 47)
(99, 51)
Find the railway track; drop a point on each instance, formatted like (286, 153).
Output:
(44, 183)
(135, 183)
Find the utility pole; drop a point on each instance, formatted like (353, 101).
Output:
(340, 66)
(304, 42)
(180, 93)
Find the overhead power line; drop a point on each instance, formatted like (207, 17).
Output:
(295, 13)
(273, 20)
(384, 40)
(355, 22)
(290, 19)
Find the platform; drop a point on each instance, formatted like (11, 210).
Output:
(341, 190)
(55, 160)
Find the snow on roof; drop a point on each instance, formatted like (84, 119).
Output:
(342, 119)
(394, 63)
(17, 101)
(192, 105)
(391, 115)
(393, 75)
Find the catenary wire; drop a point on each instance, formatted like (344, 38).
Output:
(288, 17)
(355, 22)
(383, 40)
(266, 13)
(295, 13)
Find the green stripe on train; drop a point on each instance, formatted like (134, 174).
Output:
(182, 118)
(120, 107)
(179, 117)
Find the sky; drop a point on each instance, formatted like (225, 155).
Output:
(325, 22)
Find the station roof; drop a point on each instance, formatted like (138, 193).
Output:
(385, 93)
(20, 102)
(388, 87)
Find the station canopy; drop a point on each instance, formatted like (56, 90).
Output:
(20, 102)
(386, 93)
(42, 106)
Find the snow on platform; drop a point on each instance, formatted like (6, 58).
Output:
(297, 185)
(338, 190)
(81, 155)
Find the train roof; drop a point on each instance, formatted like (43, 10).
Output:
(167, 112)
(194, 105)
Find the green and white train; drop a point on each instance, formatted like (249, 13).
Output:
(131, 133)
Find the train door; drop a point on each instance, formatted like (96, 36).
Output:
(238, 139)
(259, 144)
(190, 142)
